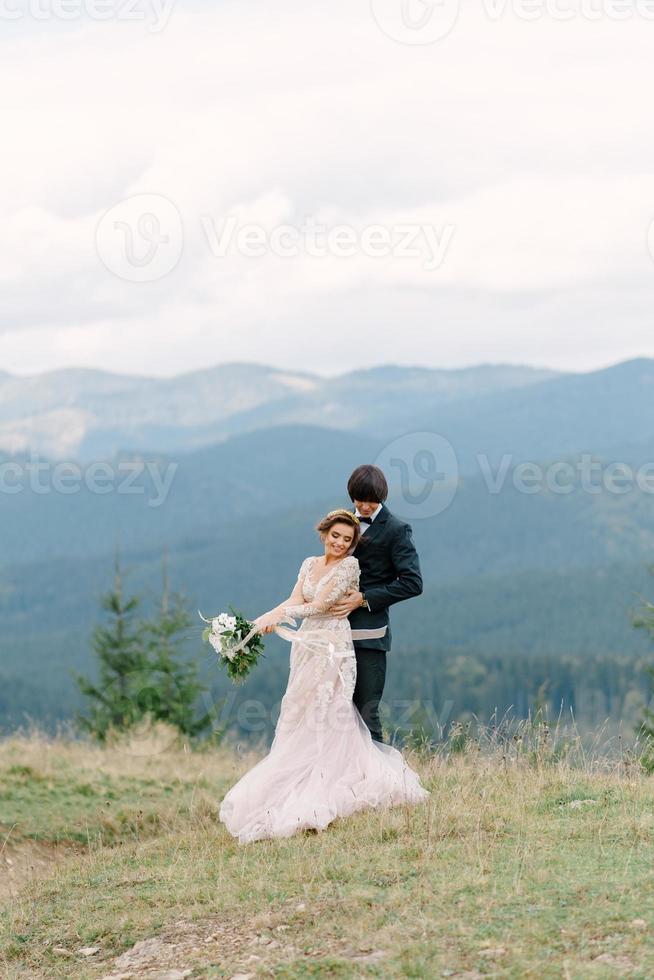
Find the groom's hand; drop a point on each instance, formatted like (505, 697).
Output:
(351, 600)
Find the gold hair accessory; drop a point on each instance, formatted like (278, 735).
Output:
(344, 512)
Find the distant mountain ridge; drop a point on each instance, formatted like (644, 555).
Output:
(570, 414)
(488, 410)
(90, 414)
(86, 413)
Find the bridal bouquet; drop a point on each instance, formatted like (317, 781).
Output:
(236, 642)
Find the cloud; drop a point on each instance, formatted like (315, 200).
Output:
(525, 138)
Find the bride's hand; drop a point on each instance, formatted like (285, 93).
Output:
(267, 622)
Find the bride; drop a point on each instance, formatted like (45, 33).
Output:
(323, 762)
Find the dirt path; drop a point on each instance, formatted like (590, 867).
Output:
(184, 947)
(27, 860)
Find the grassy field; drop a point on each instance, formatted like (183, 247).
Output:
(522, 864)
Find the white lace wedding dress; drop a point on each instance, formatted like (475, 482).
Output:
(323, 762)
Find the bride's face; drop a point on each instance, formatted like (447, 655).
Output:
(338, 540)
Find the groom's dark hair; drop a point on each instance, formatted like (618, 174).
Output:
(368, 483)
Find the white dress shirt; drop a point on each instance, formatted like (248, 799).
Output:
(364, 527)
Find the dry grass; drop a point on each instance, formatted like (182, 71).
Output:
(530, 859)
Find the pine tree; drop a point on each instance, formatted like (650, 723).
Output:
(174, 679)
(645, 728)
(143, 673)
(117, 700)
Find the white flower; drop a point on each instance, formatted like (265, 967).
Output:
(223, 623)
(216, 642)
(228, 651)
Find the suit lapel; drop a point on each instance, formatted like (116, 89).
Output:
(375, 528)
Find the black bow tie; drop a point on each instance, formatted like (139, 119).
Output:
(365, 520)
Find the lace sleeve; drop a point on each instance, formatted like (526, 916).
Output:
(345, 577)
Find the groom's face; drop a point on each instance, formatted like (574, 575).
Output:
(366, 507)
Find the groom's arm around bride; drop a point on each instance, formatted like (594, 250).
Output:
(390, 573)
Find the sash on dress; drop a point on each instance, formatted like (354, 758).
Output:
(318, 641)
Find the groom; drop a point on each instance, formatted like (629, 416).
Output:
(390, 572)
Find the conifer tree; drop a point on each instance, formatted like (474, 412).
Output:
(645, 728)
(116, 700)
(143, 673)
(175, 680)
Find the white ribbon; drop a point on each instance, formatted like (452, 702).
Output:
(313, 638)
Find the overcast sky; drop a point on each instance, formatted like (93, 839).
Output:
(324, 186)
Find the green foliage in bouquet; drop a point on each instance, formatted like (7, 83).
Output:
(226, 632)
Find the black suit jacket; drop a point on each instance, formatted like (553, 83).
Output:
(390, 572)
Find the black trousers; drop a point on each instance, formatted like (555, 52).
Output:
(371, 676)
